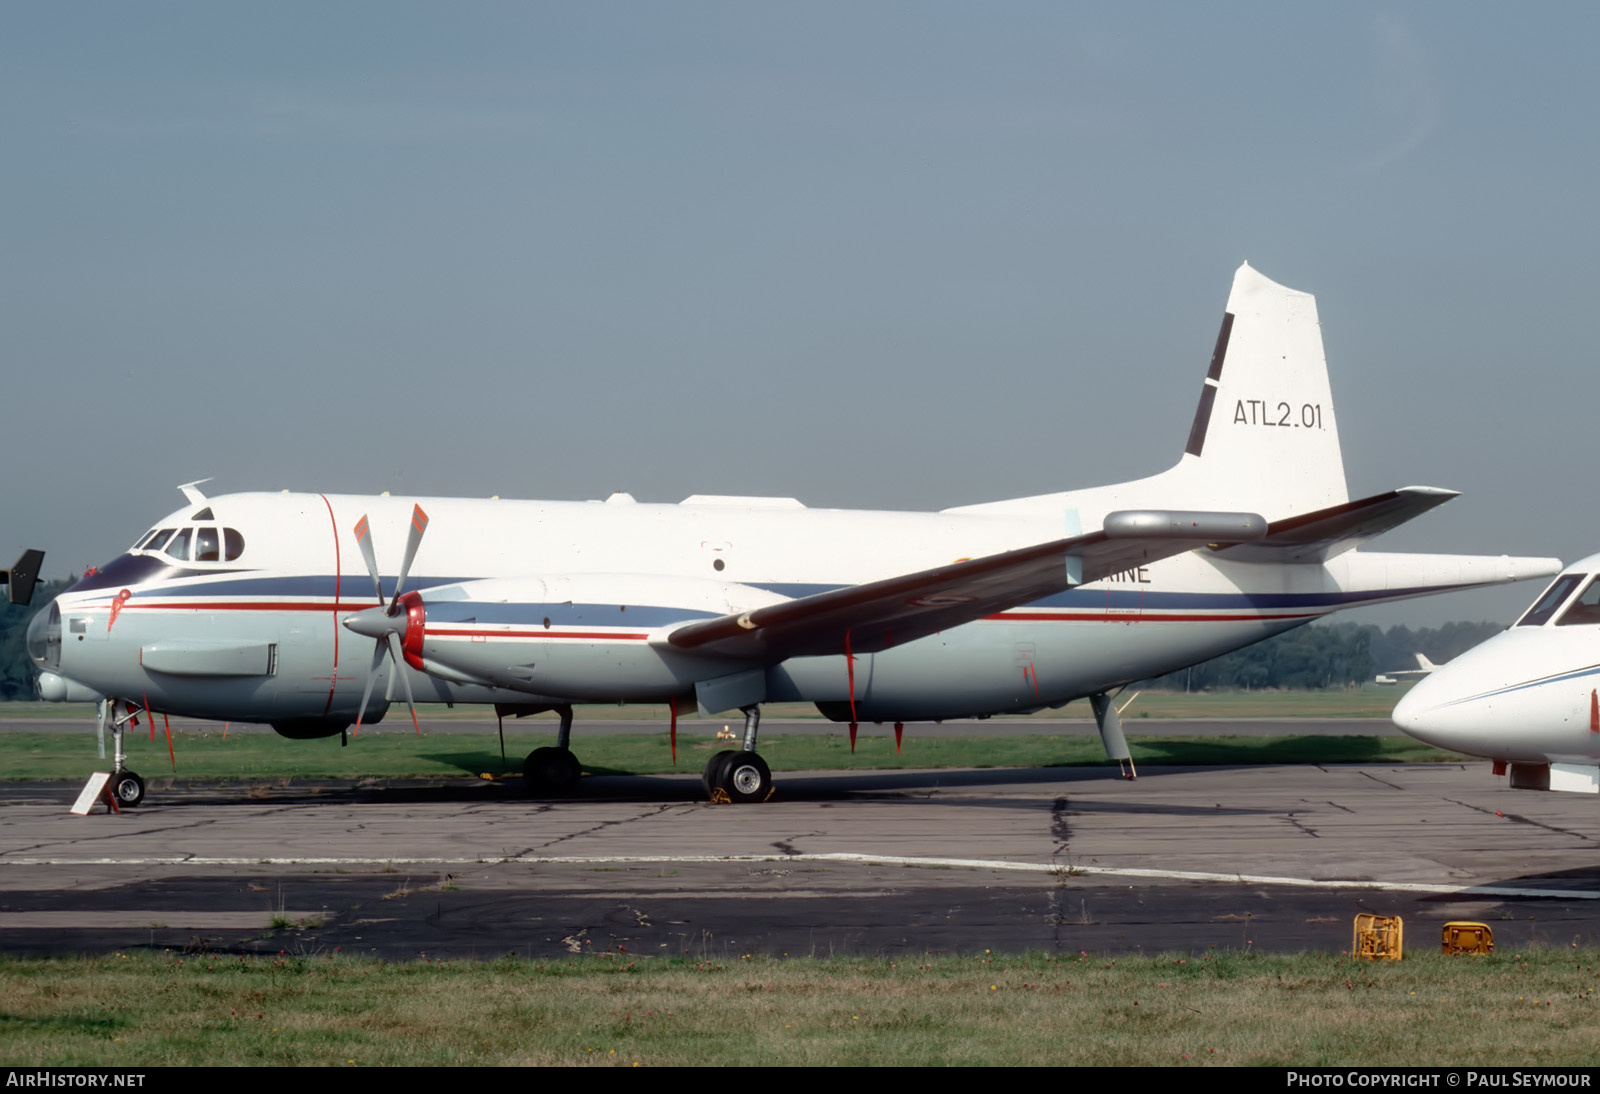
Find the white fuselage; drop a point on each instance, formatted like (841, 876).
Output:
(592, 588)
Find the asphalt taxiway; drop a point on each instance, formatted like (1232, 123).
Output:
(1268, 857)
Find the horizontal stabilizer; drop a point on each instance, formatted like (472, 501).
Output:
(22, 576)
(1319, 536)
(897, 610)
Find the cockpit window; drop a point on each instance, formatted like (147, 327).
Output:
(234, 543)
(1553, 598)
(206, 546)
(1585, 609)
(179, 547)
(154, 543)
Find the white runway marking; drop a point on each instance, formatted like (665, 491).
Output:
(1057, 869)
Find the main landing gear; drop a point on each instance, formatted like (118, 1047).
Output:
(741, 776)
(553, 771)
(1109, 719)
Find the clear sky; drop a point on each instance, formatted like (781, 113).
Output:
(893, 255)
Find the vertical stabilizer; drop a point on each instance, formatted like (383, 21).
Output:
(1264, 436)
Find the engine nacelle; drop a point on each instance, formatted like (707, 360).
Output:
(590, 637)
(310, 729)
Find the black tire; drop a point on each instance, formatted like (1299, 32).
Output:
(128, 789)
(711, 777)
(567, 770)
(551, 771)
(536, 771)
(745, 777)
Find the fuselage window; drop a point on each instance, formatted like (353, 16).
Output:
(1553, 598)
(206, 546)
(179, 547)
(234, 543)
(1585, 609)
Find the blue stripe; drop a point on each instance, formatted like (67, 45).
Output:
(559, 615)
(1558, 678)
(1154, 600)
(354, 586)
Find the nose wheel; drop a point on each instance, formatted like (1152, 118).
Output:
(128, 788)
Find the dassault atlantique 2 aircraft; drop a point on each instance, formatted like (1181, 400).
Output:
(1527, 698)
(312, 612)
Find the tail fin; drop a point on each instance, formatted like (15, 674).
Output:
(1265, 436)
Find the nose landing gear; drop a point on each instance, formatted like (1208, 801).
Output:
(125, 786)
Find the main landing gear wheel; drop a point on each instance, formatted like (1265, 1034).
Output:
(711, 777)
(742, 776)
(128, 788)
(551, 771)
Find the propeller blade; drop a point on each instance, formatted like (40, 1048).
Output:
(372, 678)
(419, 525)
(400, 670)
(364, 541)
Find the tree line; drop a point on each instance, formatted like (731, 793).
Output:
(1327, 655)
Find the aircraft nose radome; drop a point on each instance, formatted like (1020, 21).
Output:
(1412, 713)
(1429, 713)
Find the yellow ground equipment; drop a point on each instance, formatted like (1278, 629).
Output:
(1464, 937)
(1378, 937)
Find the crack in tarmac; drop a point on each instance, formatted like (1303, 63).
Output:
(193, 825)
(1382, 782)
(1294, 820)
(644, 814)
(1060, 830)
(1520, 819)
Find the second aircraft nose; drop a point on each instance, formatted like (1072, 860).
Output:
(1428, 713)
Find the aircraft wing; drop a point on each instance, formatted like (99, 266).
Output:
(1318, 536)
(894, 611)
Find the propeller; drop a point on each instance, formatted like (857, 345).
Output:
(388, 624)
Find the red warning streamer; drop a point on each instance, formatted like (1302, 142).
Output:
(850, 670)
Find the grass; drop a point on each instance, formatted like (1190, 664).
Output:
(1534, 1007)
(264, 756)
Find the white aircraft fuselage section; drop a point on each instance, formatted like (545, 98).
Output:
(613, 578)
(262, 607)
